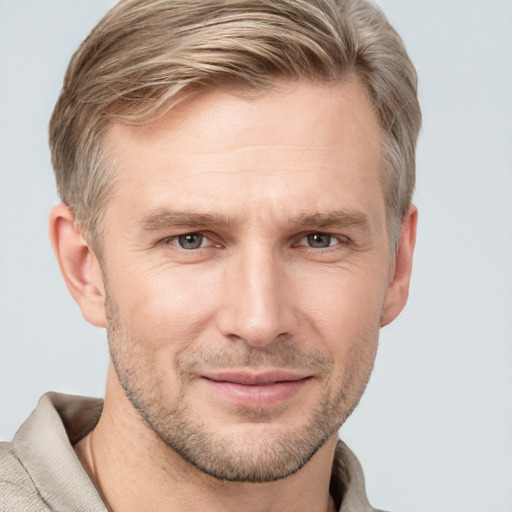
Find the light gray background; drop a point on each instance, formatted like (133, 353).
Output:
(434, 430)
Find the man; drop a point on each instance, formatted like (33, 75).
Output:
(236, 179)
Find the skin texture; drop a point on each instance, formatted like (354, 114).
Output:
(246, 276)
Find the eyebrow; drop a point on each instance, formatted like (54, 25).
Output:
(165, 218)
(335, 219)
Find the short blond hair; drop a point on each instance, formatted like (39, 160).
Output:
(145, 56)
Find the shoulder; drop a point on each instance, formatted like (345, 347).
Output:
(18, 491)
(39, 470)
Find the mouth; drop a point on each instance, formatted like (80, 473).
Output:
(255, 390)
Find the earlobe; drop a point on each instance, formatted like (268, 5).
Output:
(79, 265)
(399, 280)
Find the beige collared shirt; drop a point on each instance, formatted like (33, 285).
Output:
(39, 470)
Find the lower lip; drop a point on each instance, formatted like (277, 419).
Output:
(254, 396)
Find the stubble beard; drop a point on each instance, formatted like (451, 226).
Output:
(274, 453)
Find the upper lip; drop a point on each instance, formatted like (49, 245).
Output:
(255, 378)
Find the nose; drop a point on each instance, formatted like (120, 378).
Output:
(257, 304)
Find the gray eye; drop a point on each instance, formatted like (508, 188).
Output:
(319, 240)
(191, 241)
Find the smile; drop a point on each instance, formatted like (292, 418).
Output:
(255, 390)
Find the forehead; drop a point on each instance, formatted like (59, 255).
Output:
(316, 143)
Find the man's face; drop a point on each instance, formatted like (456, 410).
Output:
(246, 265)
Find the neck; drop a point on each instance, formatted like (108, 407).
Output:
(134, 470)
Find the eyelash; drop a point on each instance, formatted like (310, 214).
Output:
(175, 238)
(342, 240)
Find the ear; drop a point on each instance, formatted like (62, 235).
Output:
(79, 265)
(400, 274)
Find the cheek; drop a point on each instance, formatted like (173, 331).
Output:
(344, 305)
(345, 319)
(166, 309)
